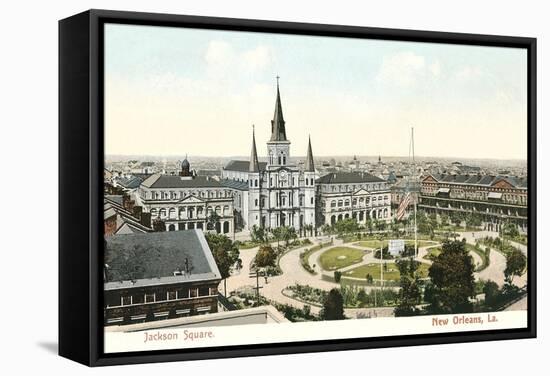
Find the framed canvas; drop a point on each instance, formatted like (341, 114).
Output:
(234, 187)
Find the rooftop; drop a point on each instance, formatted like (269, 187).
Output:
(348, 177)
(482, 180)
(242, 166)
(134, 260)
(173, 181)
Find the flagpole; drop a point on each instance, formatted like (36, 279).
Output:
(414, 198)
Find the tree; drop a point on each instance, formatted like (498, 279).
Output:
(346, 226)
(409, 295)
(452, 280)
(212, 221)
(258, 234)
(225, 252)
(492, 294)
(369, 225)
(444, 220)
(265, 257)
(337, 276)
(278, 234)
(515, 265)
(385, 254)
(510, 230)
(288, 234)
(333, 306)
(326, 229)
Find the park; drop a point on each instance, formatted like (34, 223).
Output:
(298, 274)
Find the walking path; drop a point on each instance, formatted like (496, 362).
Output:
(294, 273)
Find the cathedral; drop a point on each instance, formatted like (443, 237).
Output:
(279, 192)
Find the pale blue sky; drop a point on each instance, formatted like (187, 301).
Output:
(178, 91)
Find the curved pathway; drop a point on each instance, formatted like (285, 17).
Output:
(294, 273)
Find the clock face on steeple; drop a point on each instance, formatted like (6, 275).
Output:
(282, 175)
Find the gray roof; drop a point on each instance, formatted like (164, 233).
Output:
(151, 259)
(235, 184)
(348, 177)
(243, 166)
(131, 182)
(483, 180)
(174, 181)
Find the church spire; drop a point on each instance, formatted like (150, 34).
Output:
(278, 132)
(309, 166)
(254, 165)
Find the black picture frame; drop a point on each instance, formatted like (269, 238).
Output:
(81, 161)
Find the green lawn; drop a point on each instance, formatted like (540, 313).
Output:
(391, 274)
(432, 253)
(484, 257)
(376, 243)
(339, 257)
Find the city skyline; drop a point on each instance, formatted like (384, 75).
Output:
(165, 93)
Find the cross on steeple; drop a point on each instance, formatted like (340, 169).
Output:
(278, 80)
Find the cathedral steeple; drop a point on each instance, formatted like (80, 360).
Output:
(309, 166)
(278, 132)
(254, 165)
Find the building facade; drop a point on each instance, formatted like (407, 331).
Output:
(182, 281)
(497, 199)
(188, 201)
(357, 195)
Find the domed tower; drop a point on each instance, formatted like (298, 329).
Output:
(185, 168)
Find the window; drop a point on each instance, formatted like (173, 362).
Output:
(204, 291)
(149, 298)
(160, 296)
(312, 201)
(333, 204)
(193, 293)
(182, 293)
(256, 202)
(171, 295)
(340, 203)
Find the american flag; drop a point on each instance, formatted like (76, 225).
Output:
(403, 205)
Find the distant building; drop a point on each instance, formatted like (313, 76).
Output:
(357, 195)
(188, 201)
(498, 199)
(158, 276)
(119, 218)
